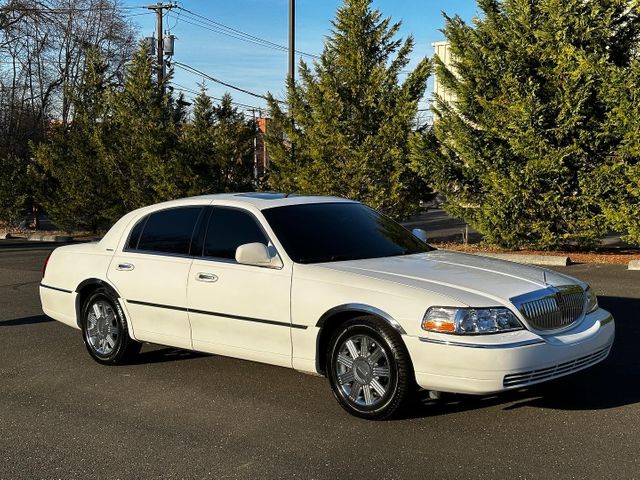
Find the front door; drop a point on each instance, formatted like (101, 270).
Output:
(238, 310)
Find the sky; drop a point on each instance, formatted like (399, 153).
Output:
(260, 69)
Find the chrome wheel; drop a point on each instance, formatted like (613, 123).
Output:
(362, 370)
(102, 328)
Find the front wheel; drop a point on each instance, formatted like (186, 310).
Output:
(104, 330)
(369, 369)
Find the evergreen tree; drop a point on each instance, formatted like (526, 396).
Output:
(21, 125)
(75, 186)
(144, 135)
(518, 146)
(617, 180)
(13, 189)
(233, 136)
(121, 151)
(219, 146)
(353, 118)
(199, 146)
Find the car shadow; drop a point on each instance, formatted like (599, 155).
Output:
(25, 321)
(610, 384)
(160, 354)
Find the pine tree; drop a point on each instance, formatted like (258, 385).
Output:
(517, 147)
(617, 180)
(121, 151)
(144, 131)
(353, 118)
(218, 143)
(233, 136)
(75, 185)
(14, 190)
(198, 146)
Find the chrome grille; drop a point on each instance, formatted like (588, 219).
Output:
(557, 307)
(534, 376)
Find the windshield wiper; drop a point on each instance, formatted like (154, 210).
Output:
(332, 258)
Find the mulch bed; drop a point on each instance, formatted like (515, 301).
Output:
(612, 256)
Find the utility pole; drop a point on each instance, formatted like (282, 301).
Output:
(292, 63)
(255, 147)
(292, 39)
(158, 9)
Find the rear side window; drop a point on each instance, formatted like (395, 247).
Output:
(228, 229)
(134, 237)
(169, 231)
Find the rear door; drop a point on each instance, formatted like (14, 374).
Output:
(238, 310)
(150, 272)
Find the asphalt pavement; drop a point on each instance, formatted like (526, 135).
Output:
(177, 414)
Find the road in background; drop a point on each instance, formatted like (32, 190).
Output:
(440, 227)
(176, 414)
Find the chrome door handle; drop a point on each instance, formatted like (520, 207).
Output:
(125, 267)
(206, 277)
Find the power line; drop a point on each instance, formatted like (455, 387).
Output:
(195, 71)
(249, 113)
(221, 28)
(182, 88)
(218, 99)
(198, 23)
(131, 15)
(248, 36)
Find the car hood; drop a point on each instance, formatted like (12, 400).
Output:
(470, 279)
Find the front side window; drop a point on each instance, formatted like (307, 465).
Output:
(169, 231)
(228, 229)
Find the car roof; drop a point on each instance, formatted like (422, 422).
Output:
(264, 200)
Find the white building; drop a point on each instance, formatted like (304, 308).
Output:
(443, 51)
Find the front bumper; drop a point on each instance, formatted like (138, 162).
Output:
(485, 364)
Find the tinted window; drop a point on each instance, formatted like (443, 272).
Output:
(134, 237)
(327, 232)
(170, 231)
(228, 229)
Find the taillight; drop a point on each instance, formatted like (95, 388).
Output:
(46, 262)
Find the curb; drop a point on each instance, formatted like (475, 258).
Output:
(548, 260)
(634, 265)
(49, 238)
(6, 236)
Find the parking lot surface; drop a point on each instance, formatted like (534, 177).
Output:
(177, 414)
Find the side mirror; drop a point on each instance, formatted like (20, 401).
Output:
(257, 254)
(420, 234)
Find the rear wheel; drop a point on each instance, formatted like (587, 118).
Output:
(104, 330)
(369, 369)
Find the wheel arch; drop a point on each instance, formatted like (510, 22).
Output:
(84, 289)
(334, 317)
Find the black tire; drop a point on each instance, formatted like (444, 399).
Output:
(106, 336)
(382, 375)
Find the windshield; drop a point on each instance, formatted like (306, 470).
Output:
(331, 232)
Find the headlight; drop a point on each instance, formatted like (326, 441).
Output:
(470, 320)
(591, 300)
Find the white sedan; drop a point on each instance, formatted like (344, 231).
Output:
(326, 286)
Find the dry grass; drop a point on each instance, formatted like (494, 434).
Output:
(25, 232)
